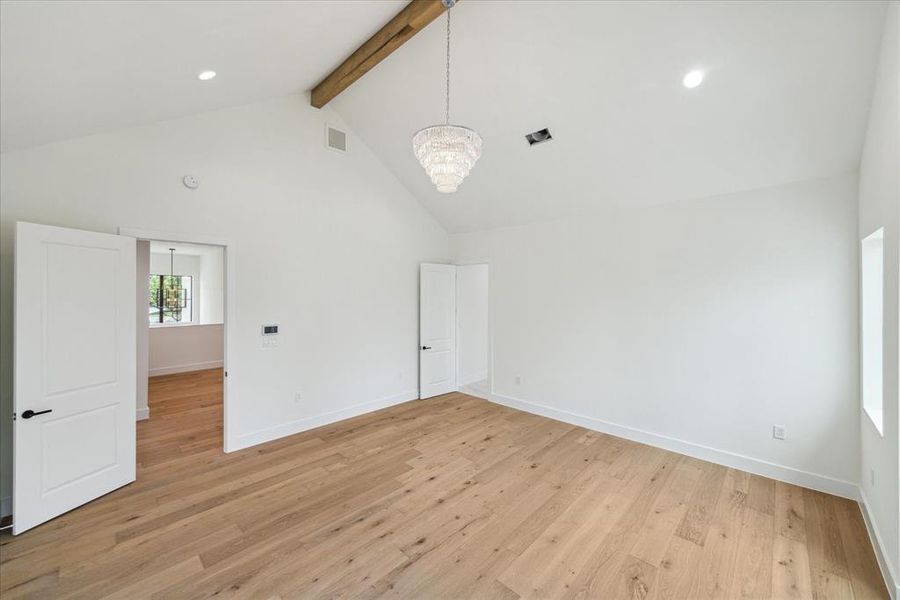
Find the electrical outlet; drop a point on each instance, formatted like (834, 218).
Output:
(518, 379)
(778, 432)
(297, 397)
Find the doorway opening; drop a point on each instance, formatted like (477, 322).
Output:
(473, 330)
(454, 330)
(181, 348)
(184, 286)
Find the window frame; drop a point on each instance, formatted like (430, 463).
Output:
(871, 327)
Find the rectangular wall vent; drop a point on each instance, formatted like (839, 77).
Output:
(336, 139)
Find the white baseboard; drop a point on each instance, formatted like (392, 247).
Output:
(5, 506)
(143, 413)
(213, 364)
(887, 571)
(823, 483)
(279, 431)
(467, 379)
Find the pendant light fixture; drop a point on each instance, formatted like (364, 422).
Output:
(447, 152)
(174, 296)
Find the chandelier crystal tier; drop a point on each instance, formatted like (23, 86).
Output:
(447, 152)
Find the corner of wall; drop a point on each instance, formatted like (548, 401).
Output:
(435, 221)
(891, 579)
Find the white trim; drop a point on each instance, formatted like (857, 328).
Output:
(179, 325)
(815, 481)
(212, 364)
(143, 412)
(279, 431)
(5, 506)
(153, 235)
(228, 396)
(890, 578)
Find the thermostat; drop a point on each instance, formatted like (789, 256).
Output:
(270, 329)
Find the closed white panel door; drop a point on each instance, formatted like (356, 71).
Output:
(437, 329)
(75, 369)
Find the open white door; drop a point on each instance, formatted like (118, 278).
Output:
(437, 329)
(74, 405)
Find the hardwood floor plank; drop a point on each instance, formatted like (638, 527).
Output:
(826, 551)
(695, 524)
(451, 497)
(633, 580)
(668, 512)
(865, 576)
(789, 511)
(791, 575)
(753, 569)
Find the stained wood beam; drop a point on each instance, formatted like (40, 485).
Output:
(407, 23)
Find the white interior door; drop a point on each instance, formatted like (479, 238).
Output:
(437, 329)
(74, 405)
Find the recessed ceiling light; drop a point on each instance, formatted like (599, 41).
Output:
(206, 75)
(693, 78)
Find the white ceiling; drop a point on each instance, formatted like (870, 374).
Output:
(74, 68)
(785, 98)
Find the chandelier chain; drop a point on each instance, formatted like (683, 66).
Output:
(447, 115)
(447, 152)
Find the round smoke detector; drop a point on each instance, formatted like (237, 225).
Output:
(190, 182)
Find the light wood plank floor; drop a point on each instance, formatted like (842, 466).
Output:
(452, 497)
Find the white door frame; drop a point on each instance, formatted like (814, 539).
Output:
(470, 263)
(230, 322)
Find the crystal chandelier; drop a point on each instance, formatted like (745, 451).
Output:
(447, 152)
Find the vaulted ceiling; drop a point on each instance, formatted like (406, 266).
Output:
(785, 98)
(75, 68)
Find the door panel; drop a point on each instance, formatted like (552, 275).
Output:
(71, 318)
(437, 329)
(75, 358)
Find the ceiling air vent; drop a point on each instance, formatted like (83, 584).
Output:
(538, 137)
(336, 139)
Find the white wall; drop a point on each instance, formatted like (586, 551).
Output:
(472, 321)
(212, 290)
(183, 348)
(879, 206)
(327, 245)
(695, 325)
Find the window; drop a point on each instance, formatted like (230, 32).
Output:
(170, 299)
(872, 325)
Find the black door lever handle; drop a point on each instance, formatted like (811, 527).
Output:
(426, 347)
(30, 413)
